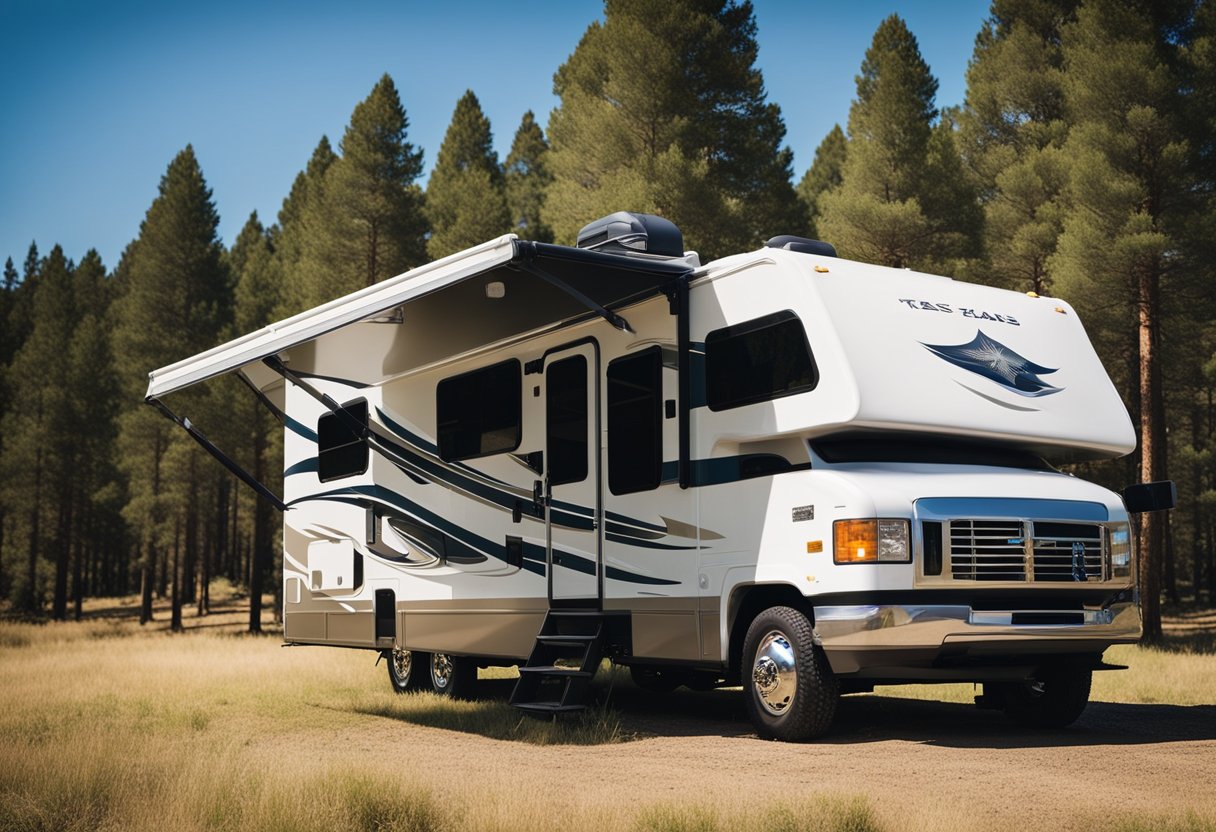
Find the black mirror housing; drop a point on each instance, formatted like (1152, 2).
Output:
(1150, 496)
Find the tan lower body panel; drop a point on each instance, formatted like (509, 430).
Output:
(500, 633)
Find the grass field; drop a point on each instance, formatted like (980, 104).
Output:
(106, 725)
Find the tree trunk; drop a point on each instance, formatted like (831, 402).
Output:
(33, 601)
(147, 575)
(63, 551)
(175, 615)
(261, 523)
(1152, 454)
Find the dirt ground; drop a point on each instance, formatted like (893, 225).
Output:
(921, 764)
(942, 764)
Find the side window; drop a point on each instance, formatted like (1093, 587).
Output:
(635, 427)
(478, 413)
(340, 452)
(759, 360)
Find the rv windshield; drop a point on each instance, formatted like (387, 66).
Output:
(922, 449)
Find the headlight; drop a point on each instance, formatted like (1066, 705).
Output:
(1120, 551)
(871, 541)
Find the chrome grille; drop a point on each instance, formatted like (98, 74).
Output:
(1017, 550)
(987, 550)
(1056, 546)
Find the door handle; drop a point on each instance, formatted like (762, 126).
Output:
(540, 497)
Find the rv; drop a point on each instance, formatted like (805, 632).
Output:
(781, 469)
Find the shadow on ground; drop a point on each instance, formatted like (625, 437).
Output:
(876, 718)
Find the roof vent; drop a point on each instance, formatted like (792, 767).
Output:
(628, 233)
(802, 245)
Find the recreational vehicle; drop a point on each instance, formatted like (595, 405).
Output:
(780, 469)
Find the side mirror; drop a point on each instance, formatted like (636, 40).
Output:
(1150, 496)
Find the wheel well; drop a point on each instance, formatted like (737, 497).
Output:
(746, 602)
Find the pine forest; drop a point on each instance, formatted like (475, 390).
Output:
(1081, 165)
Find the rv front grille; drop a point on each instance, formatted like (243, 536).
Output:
(987, 550)
(1067, 552)
(1018, 550)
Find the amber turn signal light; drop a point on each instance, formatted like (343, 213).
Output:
(856, 541)
(871, 541)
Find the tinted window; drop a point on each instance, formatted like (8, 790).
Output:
(340, 451)
(566, 420)
(478, 413)
(635, 427)
(759, 360)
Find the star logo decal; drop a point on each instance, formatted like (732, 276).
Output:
(996, 362)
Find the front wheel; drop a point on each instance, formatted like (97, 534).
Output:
(453, 676)
(407, 669)
(1054, 698)
(790, 690)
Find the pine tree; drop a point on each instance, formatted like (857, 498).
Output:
(290, 234)
(368, 224)
(824, 174)
(893, 206)
(527, 179)
(1012, 129)
(251, 261)
(466, 201)
(176, 300)
(1128, 189)
(663, 111)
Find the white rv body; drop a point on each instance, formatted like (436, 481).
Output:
(929, 398)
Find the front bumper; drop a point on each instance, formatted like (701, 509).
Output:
(947, 642)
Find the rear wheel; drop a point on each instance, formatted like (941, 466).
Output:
(407, 669)
(1053, 699)
(790, 691)
(453, 676)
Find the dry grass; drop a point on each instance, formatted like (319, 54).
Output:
(107, 725)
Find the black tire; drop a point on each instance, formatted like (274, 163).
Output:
(452, 676)
(407, 669)
(779, 710)
(1053, 699)
(655, 679)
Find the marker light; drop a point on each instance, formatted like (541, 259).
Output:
(871, 541)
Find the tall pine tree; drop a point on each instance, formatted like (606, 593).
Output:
(289, 236)
(176, 301)
(663, 111)
(1128, 190)
(1012, 129)
(466, 200)
(527, 179)
(902, 201)
(824, 174)
(368, 223)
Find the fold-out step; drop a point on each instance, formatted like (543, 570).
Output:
(573, 637)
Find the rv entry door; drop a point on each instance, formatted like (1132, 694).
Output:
(573, 507)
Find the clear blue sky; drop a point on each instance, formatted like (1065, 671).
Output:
(97, 97)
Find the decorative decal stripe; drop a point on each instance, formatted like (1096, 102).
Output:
(304, 466)
(534, 555)
(300, 429)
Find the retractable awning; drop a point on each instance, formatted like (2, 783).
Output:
(485, 295)
(440, 310)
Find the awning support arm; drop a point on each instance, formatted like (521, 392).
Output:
(197, 435)
(352, 424)
(262, 397)
(356, 427)
(608, 315)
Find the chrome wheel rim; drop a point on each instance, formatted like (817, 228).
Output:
(441, 670)
(775, 673)
(401, 661)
